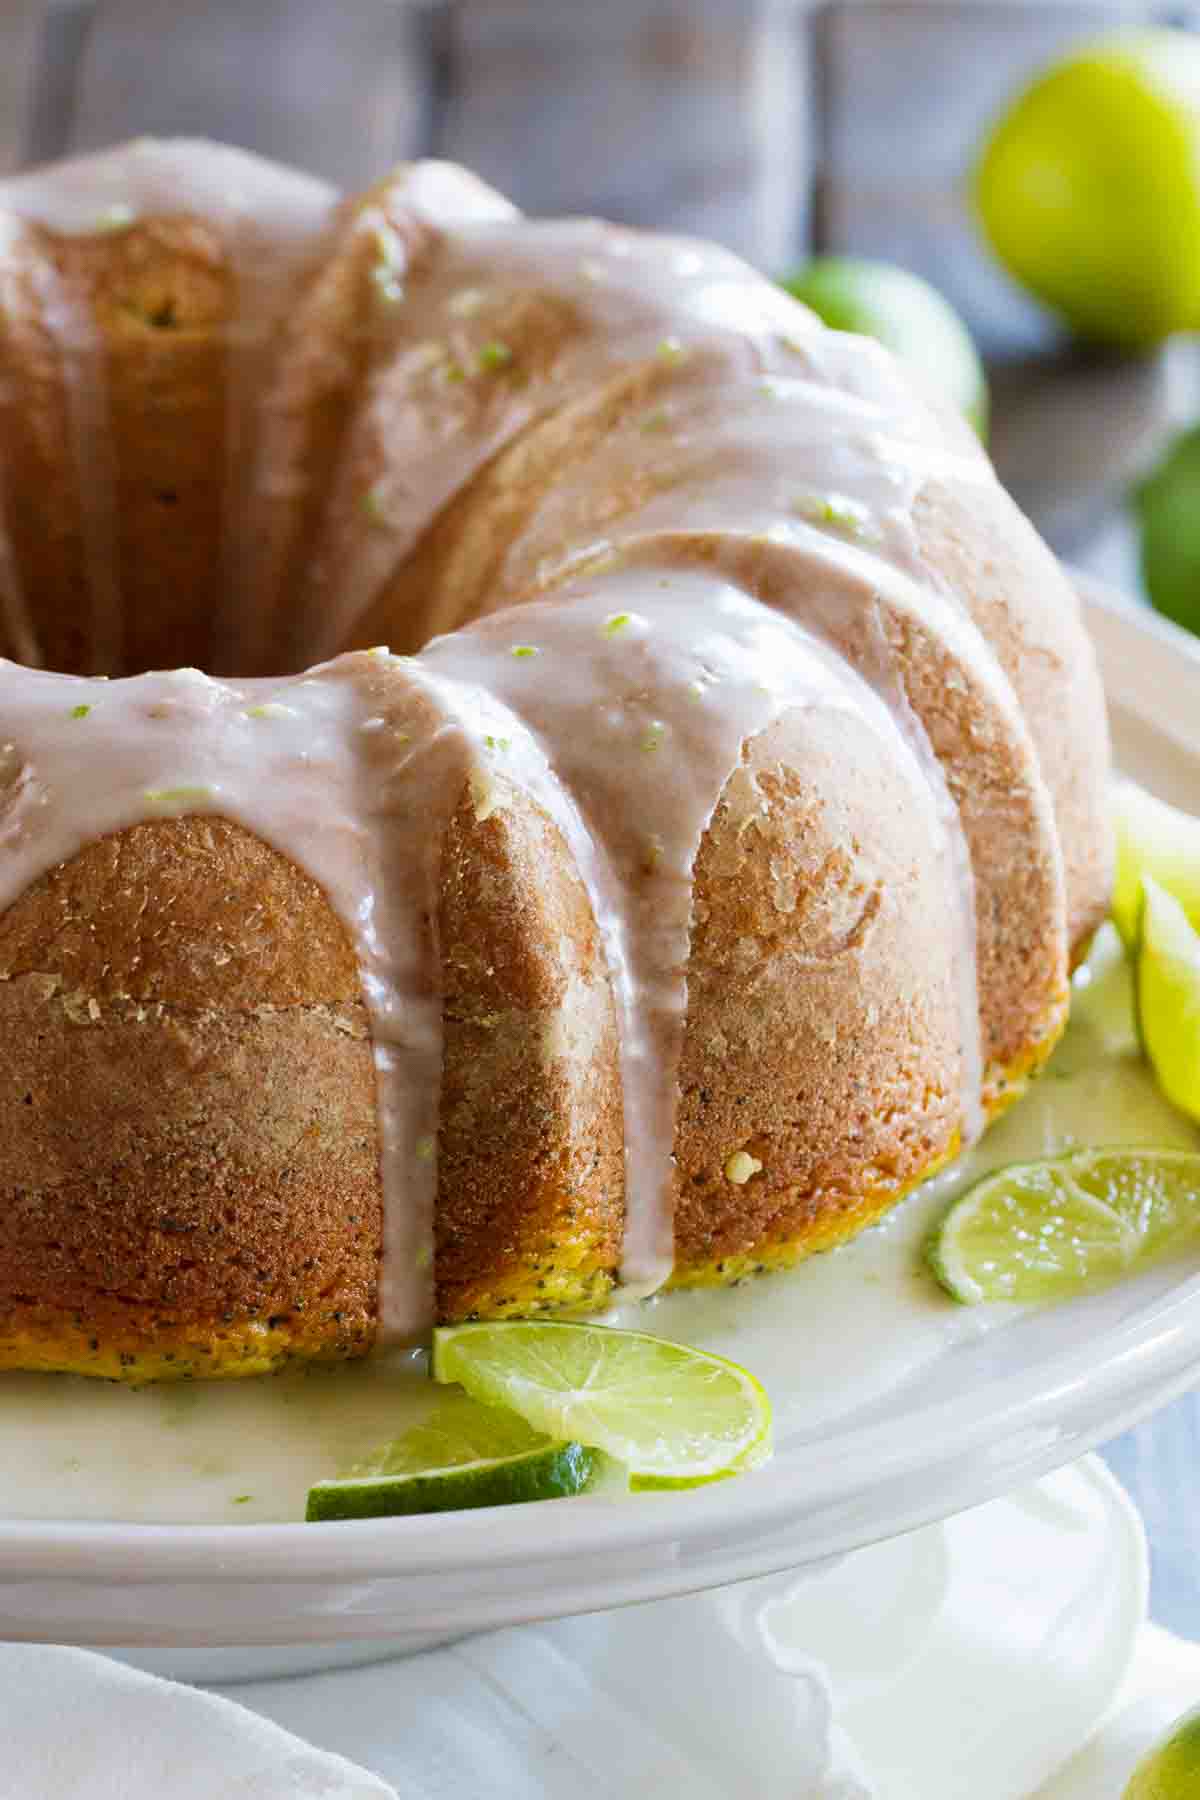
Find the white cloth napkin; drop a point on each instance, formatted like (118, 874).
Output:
(973, 1657)
(512, 1716)
(76, 1726)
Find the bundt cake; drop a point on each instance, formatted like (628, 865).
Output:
(698, 869)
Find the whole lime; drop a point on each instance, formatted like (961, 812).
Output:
(1172, 1770)
(1088, 187)
(1167, 507)
(880, 300)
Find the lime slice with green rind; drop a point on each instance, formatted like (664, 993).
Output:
(1155, 839)
(759, 1453)
(1171, 1771)
(1049, 1230)
(1088, 187)
(675, 1416)
(1168, 997)
(553, 1473)
(897, 308)
(462, 1455)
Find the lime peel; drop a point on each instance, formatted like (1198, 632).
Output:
(552, 1472)
(1165, 505)
(1171, 1771)
(1087, 187)
(900, 310)
(462, 1454)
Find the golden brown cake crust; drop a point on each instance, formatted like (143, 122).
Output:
(982, 545)
(187, 1103)
(820, 1040)
(187, 1122)
(157, 298)
(531, 1174)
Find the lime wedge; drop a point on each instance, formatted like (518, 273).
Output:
(1158, 840)
(676, 1417)
(462, 1455)
(1171, 1771)
(1168, 997)
(897, 308)
(1048, 1230)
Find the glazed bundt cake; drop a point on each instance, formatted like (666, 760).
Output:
(698, 869)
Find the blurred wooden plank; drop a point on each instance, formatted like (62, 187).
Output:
(657, 112)
(342, 89)
(1072, 429)
(905, 94)
(21, 28)
(52, 109)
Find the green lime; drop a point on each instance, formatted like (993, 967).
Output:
(1172, 1769)
(1153, 839)
(1168, 997)
(879, 300)
(1167, 507)
(550, 1474)
(674, 1416)
(1047, 1230)
(463, 1454)
(1088, 187)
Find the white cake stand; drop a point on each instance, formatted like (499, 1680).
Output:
(997, 1642)
(889, 1419)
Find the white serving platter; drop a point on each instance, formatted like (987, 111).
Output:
(147, 1519)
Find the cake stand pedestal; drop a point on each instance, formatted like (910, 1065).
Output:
(975, 1656)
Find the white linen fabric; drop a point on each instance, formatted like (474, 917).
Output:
(77, 1726)
(972, 1657)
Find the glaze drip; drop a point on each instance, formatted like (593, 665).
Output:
(644, 687)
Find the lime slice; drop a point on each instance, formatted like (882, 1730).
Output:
(458, 1430)
(1047, 1230)
(1172, 1769)
(1168, 997)
(554, 1473)
(462, 1455)
(1089, 187)
(900, 310)
(1157, 840)
(1167, 506)
(675, 1416)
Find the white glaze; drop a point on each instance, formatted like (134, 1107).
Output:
(431, 419)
